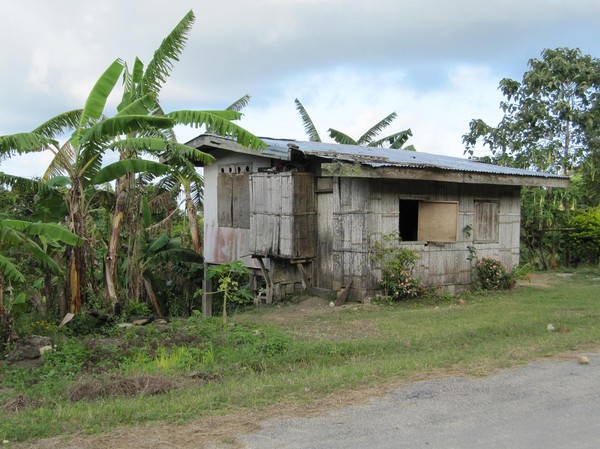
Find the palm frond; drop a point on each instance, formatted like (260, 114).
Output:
(183, 169)
(341, 138)
(58, 181)
(164, 199)
(239, 104)
(96, 100)
(138, 73)
(117, 169)
(50, 231)
(48, 262)
(59, 125)
(110, 128)
(376, 129)
(54, 232)
(198, 193)
(168, 52)
(309, 126)
(140, 106)
(220, 123)
(154, 145)
(156, 245)
(19, 183)
(9, 270)
(168, 183)
(174, 255)
(24, 143)
(179, 151)
(394, 141)
(63, 159)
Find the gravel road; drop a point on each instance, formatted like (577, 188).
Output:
(550, 404)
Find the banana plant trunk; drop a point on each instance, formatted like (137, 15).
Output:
(112, 255)
(192, 214)
(153, 299)
(2, 311)
(76, 255)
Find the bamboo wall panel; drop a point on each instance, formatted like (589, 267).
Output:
(367, 208)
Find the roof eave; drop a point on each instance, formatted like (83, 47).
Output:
(431, 174)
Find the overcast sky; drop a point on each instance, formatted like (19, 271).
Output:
(351, 62)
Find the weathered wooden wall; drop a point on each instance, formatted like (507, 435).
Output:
(364, 209)
(223, 242)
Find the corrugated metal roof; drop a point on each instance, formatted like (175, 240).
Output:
(384, 157)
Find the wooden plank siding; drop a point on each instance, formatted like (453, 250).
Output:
(283, 215)
(366, 208)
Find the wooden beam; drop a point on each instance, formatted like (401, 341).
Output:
(430, 174)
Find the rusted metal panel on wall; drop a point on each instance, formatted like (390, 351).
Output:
(224, 199)
(241, 201)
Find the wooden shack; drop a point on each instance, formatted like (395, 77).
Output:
(306, 214)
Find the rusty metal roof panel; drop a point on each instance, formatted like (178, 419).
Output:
(385, 157)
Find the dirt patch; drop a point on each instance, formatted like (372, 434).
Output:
(544, 280)
(314, 318)
(89, 389)
(92, 388)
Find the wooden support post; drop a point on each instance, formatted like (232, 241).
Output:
(206, 296)
(253, 288)
(304, 276)
(265, 274)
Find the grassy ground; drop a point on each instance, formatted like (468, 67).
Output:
(291, 354)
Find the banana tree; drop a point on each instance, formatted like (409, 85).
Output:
(139, 125)
(142, 87)
(157, 252)
(21, 235)
(395, 141)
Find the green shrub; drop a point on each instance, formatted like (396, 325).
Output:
(584, 240)
(492, 275)
(400, 284)
(396, 264)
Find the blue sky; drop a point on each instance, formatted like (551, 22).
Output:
(351, 62)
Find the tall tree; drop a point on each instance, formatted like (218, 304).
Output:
(551, 122)
(551, 117)
(369, 138)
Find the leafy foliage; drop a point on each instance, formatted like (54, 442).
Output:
(394, 141)
(584, 238)
(396, 265)
(232, 283)
(549, 117)
(492, 275)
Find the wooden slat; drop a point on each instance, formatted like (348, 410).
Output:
(224, 199)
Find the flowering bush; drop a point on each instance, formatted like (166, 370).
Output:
(400, 285)
(492, 275)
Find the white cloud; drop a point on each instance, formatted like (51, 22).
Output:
(351, 62)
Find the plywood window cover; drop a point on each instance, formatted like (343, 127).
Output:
(438, 221)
